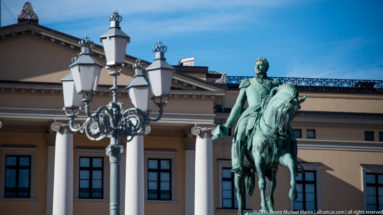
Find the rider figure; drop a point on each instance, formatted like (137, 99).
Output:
(256, 92)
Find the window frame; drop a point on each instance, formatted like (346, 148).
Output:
(375, 185)
(300, 132)
(18, 167)
(226, 163)
(380, 136)
(158, 170)
(162, 154)
(314, 132)
(233, 193)
(315, 167)
(368, 169)
(305, 182)
(373, 135)
(93, 152)
(90, 180)
(18, 151)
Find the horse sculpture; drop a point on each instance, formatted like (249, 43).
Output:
(272, 143)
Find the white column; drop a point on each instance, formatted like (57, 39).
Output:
(134, 187)
(204, 190)
(63, 171)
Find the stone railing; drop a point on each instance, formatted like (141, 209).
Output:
(317, 82)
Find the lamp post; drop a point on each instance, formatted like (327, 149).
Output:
(113, 120)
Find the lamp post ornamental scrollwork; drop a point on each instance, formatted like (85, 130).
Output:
(114, 120)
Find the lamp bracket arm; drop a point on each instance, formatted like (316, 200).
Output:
(78, 129)
(86, 99)
(148, 119)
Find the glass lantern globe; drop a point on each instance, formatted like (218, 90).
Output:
(160, 72)
(71, 98)
(115, 42)
(85, 69)
(139, 88)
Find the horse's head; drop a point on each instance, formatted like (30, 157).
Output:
(282, 108)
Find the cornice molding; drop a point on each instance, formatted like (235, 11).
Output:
(59, 115)
(41, 88)
(174, 94)
(335, 145)
(322, 118)
(342, 96)
(196, 82)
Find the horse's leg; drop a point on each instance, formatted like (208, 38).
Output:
(288, 161)
(272, 184)
(239, 185)
(260, 166)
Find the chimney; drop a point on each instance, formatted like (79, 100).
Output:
(186, 61)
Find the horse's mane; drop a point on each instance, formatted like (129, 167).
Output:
(290, 89)
(278, 91)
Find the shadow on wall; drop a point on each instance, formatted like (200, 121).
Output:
(337, 194)
(334, 193)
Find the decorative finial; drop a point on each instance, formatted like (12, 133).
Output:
(27, 15)
(115, 20)
(86, 45)
(160, 50)
(139, 67)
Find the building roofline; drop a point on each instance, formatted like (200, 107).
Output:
(316, 82)
(14, 29)
(322, 85)
(219, 86)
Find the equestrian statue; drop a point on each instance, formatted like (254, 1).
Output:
(263, 137)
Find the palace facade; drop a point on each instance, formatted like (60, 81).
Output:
(339, 129)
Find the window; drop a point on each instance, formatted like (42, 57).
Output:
(307, 192)
(91, 181)
(17, 176)
(374, 191)
(229, 197)
(369, 135)
(298, 133)
(381, 136)
(160, 175)
(17, 172)
(159, 179)
(310, 133)
(227, 191)
(91, 177)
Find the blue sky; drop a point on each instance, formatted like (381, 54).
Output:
(300, 38)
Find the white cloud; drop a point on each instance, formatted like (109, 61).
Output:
(51, 11)
(60, 10)
(184, 24)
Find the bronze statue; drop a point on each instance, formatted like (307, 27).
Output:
(263, 137)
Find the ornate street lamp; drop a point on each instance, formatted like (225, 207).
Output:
(72, 100)
(113, 120)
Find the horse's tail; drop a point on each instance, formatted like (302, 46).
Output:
(250, 176)
(250, 183)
